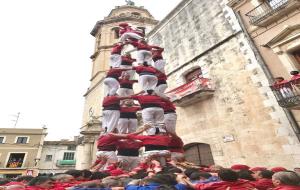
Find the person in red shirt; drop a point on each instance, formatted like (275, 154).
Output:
(143, 51)
(147, 76)
(111, 112)
(161, 85)
(176, 148)
(158, 60)
(283, 86)
(40, 183)
(264, 180)
(115, 59)
(127, 32)
(239, 167)
(170, 116)
(152, 111)
(128, 122)
(126, 85)
(278, 169)
(126, 63)
(229, 180)
(112, 80)
(286, 180)
(106, 145)
(128, 153)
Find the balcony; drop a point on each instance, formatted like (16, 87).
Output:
(189, 93)
(288, 94)
(270, 11)
(65, 163)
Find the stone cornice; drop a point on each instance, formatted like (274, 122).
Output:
(126, 18)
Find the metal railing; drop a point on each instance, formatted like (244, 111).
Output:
(288, 94)
(265, 10)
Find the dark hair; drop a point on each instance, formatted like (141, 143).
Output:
(150, 92)
(189, 171)
(140, 174)
(39, 180)
(145, 64)
(163, 179)
(99, 175)
(173, 170)
(26, 178)
(288, 178)
(294, 72)
(266, 174)
(246, 174)
(281, 78)
(197, 175)
(228, 175)
(86, 173)
(4, 181)
(74, 173)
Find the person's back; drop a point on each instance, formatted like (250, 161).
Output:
(229, 181)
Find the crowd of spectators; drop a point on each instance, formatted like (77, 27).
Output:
(173, 176)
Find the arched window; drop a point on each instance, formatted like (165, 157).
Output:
(198, 153)
(194, 74)
(116, 32)
(136, 13)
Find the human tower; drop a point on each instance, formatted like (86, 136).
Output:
(120, 140)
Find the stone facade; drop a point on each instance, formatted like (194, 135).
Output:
(206, 34)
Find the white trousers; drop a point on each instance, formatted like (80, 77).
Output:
(112, 85)
(127, 35)
(147, 82)
(160, 89)
(128, 162)
(286, 92)
(110, 119)
(125, 92)
(129, 72)
(159, 65)
(152, 116)
(127, 125)
(170, 122)
(115, 60)
(109, 155)
(144, 56)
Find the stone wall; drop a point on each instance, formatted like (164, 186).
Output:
(206, 34)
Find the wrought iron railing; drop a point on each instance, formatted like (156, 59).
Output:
(265, 10)
(288, 94)
(189, 88)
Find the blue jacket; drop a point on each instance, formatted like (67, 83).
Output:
(153, 186)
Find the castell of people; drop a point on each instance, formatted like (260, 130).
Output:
(205, 98)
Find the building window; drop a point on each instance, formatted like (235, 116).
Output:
(22, 140)
(48, 158)
(71, 147)
(274, 4)
(2, 140)
(69, 156)
(194, 74)
(116, 32)
(15, 160)
(136, 14)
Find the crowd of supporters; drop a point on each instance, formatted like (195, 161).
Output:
(173, 176)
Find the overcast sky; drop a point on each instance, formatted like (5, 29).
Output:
(45, 47)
